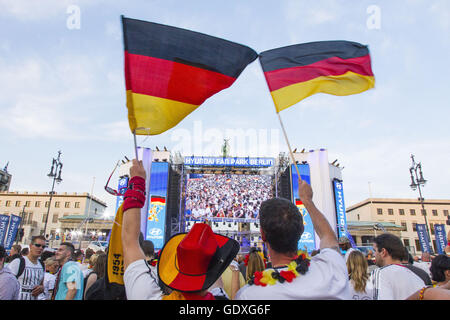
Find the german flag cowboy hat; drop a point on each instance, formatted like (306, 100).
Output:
(193, 261)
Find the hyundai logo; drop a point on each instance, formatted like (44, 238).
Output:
(155, 232)
(306, 236)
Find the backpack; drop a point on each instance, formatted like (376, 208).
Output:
(22, 266)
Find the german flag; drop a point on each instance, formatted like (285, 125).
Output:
(335, 67)
(157, 200)
(169, 72)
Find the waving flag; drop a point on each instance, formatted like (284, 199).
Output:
(170, 72)
(335, 67)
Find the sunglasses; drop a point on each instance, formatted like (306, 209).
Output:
(39, 245)
(111, 190)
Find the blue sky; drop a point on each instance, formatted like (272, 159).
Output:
(63, 89)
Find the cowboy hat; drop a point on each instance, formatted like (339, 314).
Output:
(193, 261)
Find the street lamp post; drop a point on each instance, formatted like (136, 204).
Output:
(56, 175)
(417, 181)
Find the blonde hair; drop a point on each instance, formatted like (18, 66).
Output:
(93, 259)
(357, 270)
(255, 263)
(50, 261)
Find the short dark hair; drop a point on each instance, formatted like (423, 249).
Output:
(69, 246)
(33, 239)
(439, 265)
(282, 224)
(148, 248)
(392, 244)
(2, 252)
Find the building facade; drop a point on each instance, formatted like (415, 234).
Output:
(406, 213)
(68, 213)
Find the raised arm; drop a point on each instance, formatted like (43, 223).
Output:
(321, 226)
(131, 223)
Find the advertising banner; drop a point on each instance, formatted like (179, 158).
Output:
(121, 189)
(423, 237)
(441, 238)
(341, 217)
(12, 231)
(308, 238)
(157, 204)
(4, 221)
(228, 162)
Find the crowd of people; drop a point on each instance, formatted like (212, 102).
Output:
(203, 265)
(226, 196)
(41, 274)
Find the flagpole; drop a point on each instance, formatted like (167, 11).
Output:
(135, 145)
(289, 146)
(282, 126)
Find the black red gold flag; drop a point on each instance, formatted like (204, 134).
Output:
(335, 67)
(170, 72)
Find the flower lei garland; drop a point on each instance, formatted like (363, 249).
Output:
(299, 265)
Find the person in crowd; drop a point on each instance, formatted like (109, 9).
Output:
(30, 270)
(240, 258)
(9, 285)
(345, 246)
(357, 272)
(98, 270)
(392, 281)
(25, 251)
(295, 276)
(69, 280)
(183, 258)
(46, 254)
(440, 270)
(14, 253)
(228, 280)
(424, 263)
(430, 293)
(87, 257)
(408, 260)
(255, 263)
(51, 268)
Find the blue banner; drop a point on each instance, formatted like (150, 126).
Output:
(4, 221)
(308, 239)
(341, 217)
(423, 237)
(157, 204)
(121, 189)
(441, 238)
(12, 231)
(229, 162)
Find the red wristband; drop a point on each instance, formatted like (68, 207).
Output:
(137, 183)
(134, 197)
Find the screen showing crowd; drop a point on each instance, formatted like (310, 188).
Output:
(226, 196)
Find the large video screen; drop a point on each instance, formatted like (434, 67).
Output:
(226, 197)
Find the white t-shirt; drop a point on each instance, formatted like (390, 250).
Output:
(141, 281)
(327, 278)
(357, 295)
(393, 282)
(32, 276)
(49, 284)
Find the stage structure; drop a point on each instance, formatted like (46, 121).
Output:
(226, 193)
